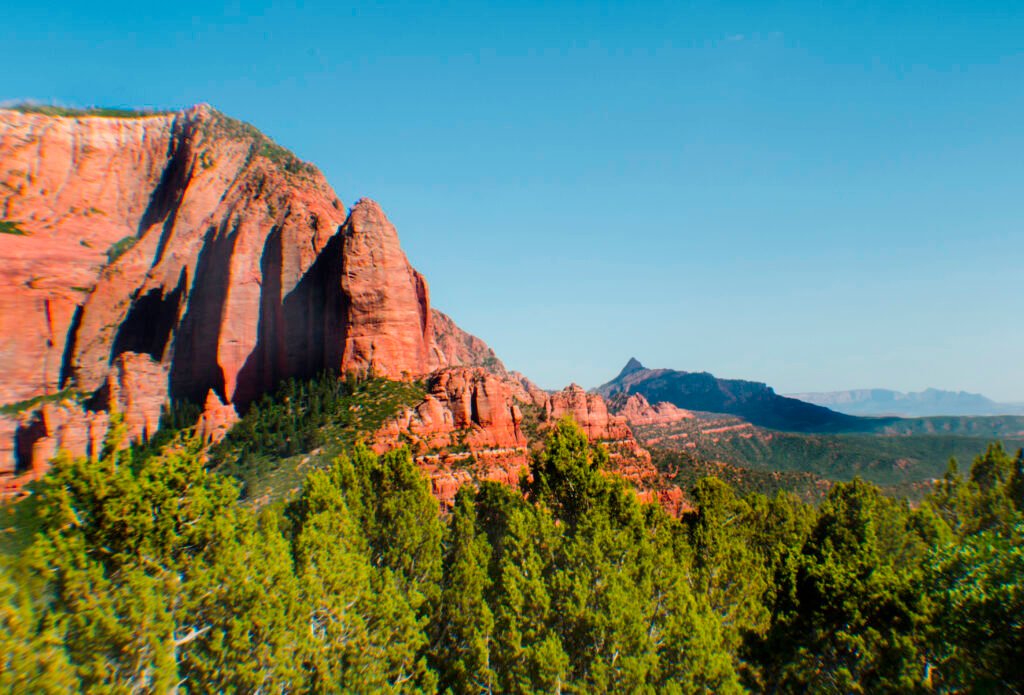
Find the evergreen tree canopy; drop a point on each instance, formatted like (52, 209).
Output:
(149, 575)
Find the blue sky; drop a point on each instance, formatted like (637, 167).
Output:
(819, 195)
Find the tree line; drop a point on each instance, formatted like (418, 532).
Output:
(149, 575)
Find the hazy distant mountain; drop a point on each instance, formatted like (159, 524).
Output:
(751, 400)
(919, 404)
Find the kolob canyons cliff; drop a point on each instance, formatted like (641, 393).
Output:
(185, 256)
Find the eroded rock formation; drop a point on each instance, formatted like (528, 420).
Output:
(477, 425)
(637, 411)
(457, 348)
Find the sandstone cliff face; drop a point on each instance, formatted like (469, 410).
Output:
(590, 411)
(171, 256)
(66, 184)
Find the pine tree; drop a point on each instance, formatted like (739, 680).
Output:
(729, 571)
(565, 475)
(977, 635)
(363, 632)
(32, 658)
(465, 626)
(852, 624)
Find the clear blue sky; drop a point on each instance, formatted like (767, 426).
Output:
(818, 195)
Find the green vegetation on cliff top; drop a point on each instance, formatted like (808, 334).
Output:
(220, 126)
(216, 125)
(83, 112)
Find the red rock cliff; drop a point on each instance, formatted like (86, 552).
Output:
(171, 256)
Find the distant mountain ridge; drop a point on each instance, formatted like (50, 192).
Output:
(930, 402)
(754, 401)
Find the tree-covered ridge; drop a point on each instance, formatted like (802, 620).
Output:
(147, 575)
(765, 460)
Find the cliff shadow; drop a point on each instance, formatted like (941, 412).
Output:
(300, 334)
(194, 366)
(150, 320)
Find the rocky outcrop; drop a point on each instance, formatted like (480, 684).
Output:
(468, 428)
(65, 424)
(186, 257)
(637, 411)
(216, 420)
(671, 498)
(475, 425)
(590, 411)
(386, 325)
(177, 254)
(136, 387)
(468, 409)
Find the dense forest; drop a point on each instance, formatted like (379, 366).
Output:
(148, 573)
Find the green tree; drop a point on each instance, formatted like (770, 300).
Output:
(528, 654)
(991, 496)
(252, 600)
(566, 474)
(465, 625)
(404, 527)
(684, 631)
(601, 588)
(978, 628)
(729, 570)
(618, 613)
(123, 543)
(363, 633)
(32, 658)
(852, 624)
(153, 577)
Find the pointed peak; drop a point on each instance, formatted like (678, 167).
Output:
(368, 205)
(367, 214)
(633, 365)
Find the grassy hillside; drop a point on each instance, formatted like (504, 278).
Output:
(303, 427)
(19, 521)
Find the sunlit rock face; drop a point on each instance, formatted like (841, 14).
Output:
(168, 257)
